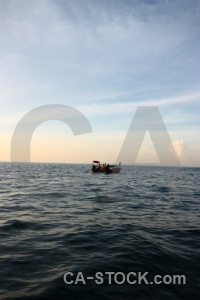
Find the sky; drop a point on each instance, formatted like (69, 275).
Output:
(105, 59)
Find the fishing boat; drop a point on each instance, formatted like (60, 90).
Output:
(105, 168)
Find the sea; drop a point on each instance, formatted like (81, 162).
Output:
(68, 233)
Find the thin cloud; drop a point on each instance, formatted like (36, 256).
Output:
(98, 109)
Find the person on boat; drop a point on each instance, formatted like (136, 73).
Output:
(99, 166)
(107, 168)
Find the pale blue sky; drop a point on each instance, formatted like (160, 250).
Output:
(104, 58)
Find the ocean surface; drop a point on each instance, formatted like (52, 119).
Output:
(59, 218)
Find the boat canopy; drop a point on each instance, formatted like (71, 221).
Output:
(96, 161)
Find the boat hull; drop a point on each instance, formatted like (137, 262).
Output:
(97, 170)
(114, 170)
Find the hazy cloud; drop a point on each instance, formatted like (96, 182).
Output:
(181, 148)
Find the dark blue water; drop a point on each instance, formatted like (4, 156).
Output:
(58, 218)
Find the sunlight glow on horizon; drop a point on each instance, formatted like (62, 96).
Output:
(59, 145)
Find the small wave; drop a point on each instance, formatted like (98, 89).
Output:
(196, 194)
(163, 189)
(16, 225)
(50, 195)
